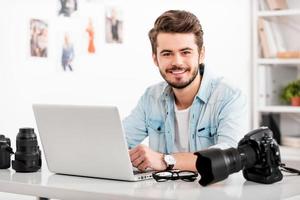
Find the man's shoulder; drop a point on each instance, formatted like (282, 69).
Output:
(226, 87)
(222, 88)
(156, 89)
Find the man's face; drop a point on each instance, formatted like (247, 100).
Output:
(177, 58)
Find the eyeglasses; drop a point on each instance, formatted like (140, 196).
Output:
(185, 175)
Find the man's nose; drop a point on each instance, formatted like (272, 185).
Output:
(177, 60)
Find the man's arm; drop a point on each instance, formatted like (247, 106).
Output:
(142, 157)
(185, 161)
(135, 125)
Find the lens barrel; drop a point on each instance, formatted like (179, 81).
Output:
(28, 154)
(215, 164)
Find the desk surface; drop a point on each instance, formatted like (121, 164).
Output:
(46, 184)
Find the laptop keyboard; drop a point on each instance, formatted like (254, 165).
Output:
(136, 171)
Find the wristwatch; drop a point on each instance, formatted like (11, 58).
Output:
(170, 161)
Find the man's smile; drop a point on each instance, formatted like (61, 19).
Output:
(177, 72)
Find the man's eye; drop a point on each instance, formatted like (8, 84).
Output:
(186, 52)
(166, 54)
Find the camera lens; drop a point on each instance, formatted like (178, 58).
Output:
(28, 154)
(215, 164)
(5, 152)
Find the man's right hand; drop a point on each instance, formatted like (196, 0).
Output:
(142, 157)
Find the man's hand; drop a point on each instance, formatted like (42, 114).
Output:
(142, 157)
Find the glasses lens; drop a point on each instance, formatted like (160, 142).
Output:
(164, 174)
(187, 173)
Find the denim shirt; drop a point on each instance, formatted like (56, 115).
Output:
(217, 117)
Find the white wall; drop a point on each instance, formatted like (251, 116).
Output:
(117, 74)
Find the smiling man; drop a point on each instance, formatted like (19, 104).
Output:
(191, 110)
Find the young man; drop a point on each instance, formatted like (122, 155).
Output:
(191, 110)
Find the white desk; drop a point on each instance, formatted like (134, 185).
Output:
(46, 184)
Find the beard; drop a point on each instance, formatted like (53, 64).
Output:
(179, 85)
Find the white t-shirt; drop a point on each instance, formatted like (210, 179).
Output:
(181, 129)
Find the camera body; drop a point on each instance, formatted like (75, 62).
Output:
(266, 168)
(257, 155)
(5, 152)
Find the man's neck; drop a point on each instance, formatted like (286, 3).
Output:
(185, 97)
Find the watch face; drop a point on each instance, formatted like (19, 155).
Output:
(170, 160)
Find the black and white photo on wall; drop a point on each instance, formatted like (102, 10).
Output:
(67, 7)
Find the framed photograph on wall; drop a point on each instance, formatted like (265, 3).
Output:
(113, 25)
(91, 49)
(67, 7)
(38, 38)
(68, 54)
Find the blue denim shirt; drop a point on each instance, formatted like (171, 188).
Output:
(217, 117)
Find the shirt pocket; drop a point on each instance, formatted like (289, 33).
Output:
(156, 130)
(206, 137)
(156, 126)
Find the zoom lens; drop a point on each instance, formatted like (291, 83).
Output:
(216, 165)
(28, 154)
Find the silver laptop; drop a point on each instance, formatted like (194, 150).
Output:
(85, 141)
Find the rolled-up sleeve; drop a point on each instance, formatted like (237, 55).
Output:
(135, 124)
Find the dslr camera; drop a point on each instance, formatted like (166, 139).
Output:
(27, 155)
(257, 155)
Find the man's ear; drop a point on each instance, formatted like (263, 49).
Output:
(202, 55)
(154, 57)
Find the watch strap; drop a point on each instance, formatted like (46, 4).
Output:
(169, 167)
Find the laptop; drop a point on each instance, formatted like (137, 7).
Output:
(85, 141)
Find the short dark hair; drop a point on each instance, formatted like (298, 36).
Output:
(176, 21)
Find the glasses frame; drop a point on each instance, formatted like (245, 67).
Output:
(175, 175)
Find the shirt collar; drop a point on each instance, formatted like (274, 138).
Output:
(167, 91)
(205, 87)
